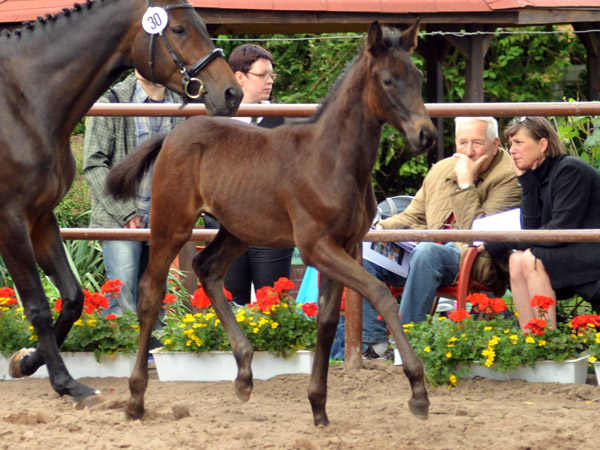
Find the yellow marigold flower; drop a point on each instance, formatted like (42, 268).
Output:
(449, 345)
(135, 327)
(541, 342)
(182, 325)
(597, 338)
(91, 323)
(217, 323)
(487, 328)
(440, 318)
(33, 337)
(593, 359)
(167, 341)
(188, 318)
(513, 337)
(448, 355)
(453, 339)
(20, 309)
(530, 340)
(274, 325)
(452, 380)
(507, 331)
(408, 325)
(427, 349)
(255, 330)
(188, 344)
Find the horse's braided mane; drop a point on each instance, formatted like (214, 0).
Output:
(30, 25)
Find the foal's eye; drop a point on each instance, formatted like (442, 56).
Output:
(178, 29)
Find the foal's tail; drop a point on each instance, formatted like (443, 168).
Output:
(124, 178)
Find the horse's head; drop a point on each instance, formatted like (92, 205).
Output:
(172, 47)
(393, 90)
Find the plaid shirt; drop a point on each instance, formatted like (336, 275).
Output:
(107, 141)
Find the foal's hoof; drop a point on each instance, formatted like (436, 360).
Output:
(14, 365)
(243, 390)
(419, 409)
(89, 402)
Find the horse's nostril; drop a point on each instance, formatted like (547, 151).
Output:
(426, 138)
(232, 96)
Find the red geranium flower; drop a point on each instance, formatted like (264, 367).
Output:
(536, 325)
(283, 284)
(8, 296)
(111, 288)
(586, 321)
(266, 299)
(170, 298)
(310, 309)
(459, 316)
(111, 317)
(541, 302)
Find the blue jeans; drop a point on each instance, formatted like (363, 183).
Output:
(125, 261)
(431, 265)
(261, 266)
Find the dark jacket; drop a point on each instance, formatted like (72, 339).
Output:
(562, 193)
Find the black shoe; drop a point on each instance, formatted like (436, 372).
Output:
(369, 353)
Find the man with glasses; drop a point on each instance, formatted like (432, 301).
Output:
(476, 181)
(252, 66)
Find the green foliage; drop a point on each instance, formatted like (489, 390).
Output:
(103, 336)
(581, 135)
(279, 326)
(75, 208)
(15, 331)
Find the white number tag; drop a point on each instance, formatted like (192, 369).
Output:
(155, 20)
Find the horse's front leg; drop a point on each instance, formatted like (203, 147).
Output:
(334, 262)
(50, 253)
(330, 296)
(210, 266)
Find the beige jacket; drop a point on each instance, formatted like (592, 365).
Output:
(497, 190)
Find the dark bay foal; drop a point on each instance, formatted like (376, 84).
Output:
(305, 183)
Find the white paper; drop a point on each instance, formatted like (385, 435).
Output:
(505, 221)
(393, 256)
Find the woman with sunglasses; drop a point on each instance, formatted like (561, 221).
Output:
(559, 192)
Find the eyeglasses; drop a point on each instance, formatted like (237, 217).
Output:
(263, 76)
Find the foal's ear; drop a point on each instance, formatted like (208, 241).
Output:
(375, 42)
(410, 37)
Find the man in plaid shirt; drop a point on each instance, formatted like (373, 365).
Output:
(107, 141)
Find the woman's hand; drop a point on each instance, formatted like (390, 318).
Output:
(481, 248)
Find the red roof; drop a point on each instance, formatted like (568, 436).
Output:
(16, 11)
(12, 11)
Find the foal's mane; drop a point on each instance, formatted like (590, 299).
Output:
(30, 25)
(332, 93)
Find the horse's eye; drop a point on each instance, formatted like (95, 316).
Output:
(178, 29)
(387, 81)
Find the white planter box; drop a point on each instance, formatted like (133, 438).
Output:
(221, 366)
(83, 365)
(571, 371)
(597, 369)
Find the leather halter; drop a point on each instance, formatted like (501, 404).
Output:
(189, 75)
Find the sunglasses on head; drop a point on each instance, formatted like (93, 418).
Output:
(519, 120)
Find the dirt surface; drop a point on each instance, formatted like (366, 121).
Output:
(367, 409)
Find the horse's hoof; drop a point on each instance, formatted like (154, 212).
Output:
(14, 365)
(243, 390)
(133, 412)
(90, 401)
(419, 409)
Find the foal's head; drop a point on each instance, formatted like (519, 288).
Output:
(393, 88)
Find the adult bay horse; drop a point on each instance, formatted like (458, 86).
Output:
(51, 72)
(305, 183)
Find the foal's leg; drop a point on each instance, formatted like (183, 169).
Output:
(335, 263)
(164, 246)
(18, 256)
(210, 266)
(330, 296)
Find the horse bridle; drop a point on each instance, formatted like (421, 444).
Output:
(189, 75)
